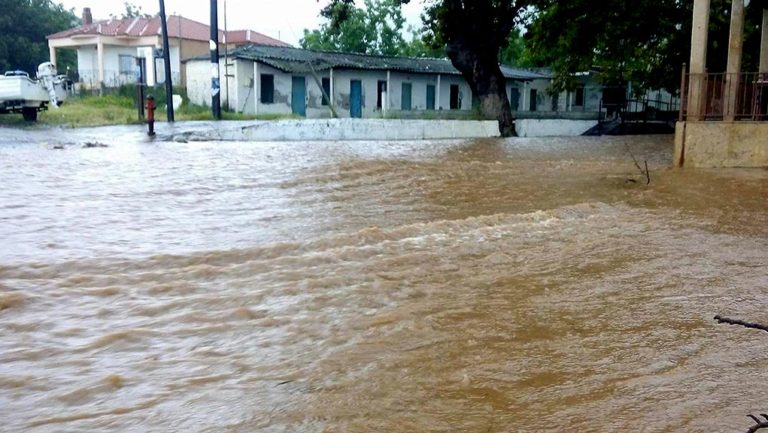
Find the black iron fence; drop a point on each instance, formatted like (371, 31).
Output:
(725, 96)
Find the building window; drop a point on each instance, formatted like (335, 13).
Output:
(406, 97)
(326, 90)
(127, 64)
(267, 88)
(579, 97)
(534, 97)
(455, 103)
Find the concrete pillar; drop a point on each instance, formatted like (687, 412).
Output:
(764, 44)
(100, 60)
(698, 63)
(437, 93)
(733, 71)
(53, 55)
(256, 88)
(332, 95)
(389, 90)
(525, 97)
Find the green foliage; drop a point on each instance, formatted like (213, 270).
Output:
(642, 41)
(24, 25)
(514, 52)
(376, 28)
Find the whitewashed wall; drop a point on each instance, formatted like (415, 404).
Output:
(245, 90)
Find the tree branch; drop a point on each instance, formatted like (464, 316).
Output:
(728, 321)
(759, 424)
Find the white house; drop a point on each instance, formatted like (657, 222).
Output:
(107, 50)
(282, 80)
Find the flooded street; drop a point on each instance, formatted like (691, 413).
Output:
(520, 285)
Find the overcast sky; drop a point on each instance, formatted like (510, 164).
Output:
(284, 19)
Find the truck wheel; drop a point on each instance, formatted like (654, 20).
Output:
(30, 114)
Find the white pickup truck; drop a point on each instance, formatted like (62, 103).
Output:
(21, 94)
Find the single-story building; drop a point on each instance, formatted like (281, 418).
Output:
(107, 50)
(317, 84)
(283, 80)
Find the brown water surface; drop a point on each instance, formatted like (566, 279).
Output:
(454, 286)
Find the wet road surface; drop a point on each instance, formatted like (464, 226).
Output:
(478, 286)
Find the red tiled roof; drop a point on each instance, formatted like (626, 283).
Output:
(178, 27)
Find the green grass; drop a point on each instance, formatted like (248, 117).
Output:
(119, 110)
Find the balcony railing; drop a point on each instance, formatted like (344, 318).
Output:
(90, 78)
(725, 96)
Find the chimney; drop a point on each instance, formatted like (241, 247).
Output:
(87, 16)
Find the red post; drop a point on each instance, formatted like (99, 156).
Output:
(151, 115)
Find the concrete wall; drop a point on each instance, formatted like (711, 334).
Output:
(552, 127)
(339, 129)
(199, 83)
(190, 49)
(721, 144)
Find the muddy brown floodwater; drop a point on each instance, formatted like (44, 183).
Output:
(520, 285)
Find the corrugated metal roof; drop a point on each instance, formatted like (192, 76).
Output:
(296, 60)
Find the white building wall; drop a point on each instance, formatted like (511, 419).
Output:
(199, 82)
(113, 77)
(465, 93)
(245, 90)
(419, 84)
(342, 80)
(175, 67)
(87, 65)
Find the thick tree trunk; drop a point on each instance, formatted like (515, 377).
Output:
(480, 67)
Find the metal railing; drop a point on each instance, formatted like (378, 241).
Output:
(725, 96)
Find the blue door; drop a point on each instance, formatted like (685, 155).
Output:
(356, 99)
(405, 101)
(299, 96)
(430, 97)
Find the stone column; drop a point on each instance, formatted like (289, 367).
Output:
(53, 55)
(764, 44)
(100, 57)
(735, 49)
(698, 64)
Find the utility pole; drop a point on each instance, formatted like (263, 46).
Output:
(226, 58)
(167, 62)
(215, 70)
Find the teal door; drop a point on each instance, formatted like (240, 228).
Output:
(405, 100)
(299, 96)
(514, 98)
(430, 97)
(356, 99)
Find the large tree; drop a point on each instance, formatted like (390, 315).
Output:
(24, 25)
(640, 41)
(472, 32)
